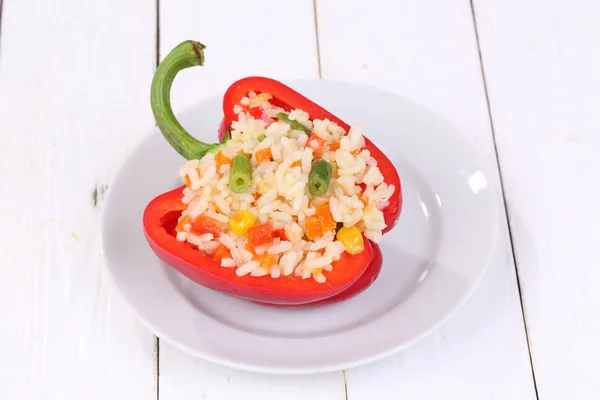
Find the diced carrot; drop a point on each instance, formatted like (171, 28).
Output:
(315, 143)
(263, 155)
(324, 214)
(222, 159)
(266, 260)
(260, 235)
(313, 227)
(296, 164)
(204, 224)
(186, 178)
(364, 201)
(334, 146)
(250, 249)
(279, 233)
(184, 220)
(221, 253)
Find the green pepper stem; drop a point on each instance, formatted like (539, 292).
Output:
(185, 55)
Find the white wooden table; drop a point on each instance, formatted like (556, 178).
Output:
(519, 78)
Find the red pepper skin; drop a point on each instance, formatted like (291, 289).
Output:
(159, 221)
(287, 98)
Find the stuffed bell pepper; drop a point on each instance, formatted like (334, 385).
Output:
(286, 209)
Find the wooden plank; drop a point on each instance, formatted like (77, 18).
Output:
(427, 51)
(74, 101)
(264, 37)
(541, 61)
(237, 29)
(182, 376)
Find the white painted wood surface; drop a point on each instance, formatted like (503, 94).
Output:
(74, 81)
(542, 61)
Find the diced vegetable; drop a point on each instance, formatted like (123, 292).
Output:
(352, 240)
(186, 219)
(251, 250)
(319, 178)
(294, 124)
(260, 98)
(266, 260)
(313, 227)
(239, 180)
(279, 234)
(241, 222)
(296, 164)
(221, 253)
(315, 143)
(334, 146)
(186, 178)
(203, 224)
(261, 137)
(260, 235)
(263, 155)
(222, 159)
(324, 214)
(256, 112)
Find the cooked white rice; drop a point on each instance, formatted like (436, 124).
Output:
(278, 192)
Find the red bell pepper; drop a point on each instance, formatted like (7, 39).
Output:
(159, 221)
(352, 273)
(288, 99)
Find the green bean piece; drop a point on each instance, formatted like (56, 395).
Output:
(319, 178)
(293, 123)
(239, 179)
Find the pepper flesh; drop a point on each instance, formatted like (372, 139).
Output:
(159, 221)
(288, 99)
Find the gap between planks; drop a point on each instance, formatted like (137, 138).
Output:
(157, 340)
(1, 3)
(502, 191)
(320, 71)
(316, 22)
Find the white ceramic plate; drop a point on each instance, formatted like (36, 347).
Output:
(433, 259)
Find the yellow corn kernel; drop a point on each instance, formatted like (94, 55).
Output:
(352, 239)
(241, 222)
